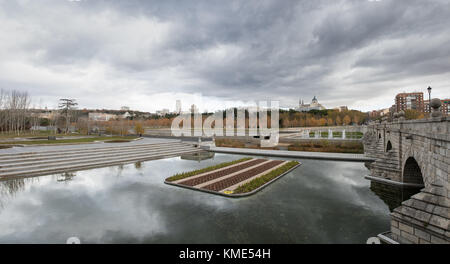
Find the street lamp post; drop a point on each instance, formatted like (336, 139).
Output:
(429, 98)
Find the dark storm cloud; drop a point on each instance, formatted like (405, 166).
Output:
(342, 51)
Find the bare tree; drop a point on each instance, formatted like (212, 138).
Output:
(14, 107)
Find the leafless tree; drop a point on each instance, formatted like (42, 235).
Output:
(14, 108)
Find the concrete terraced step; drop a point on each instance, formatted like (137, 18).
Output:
(90, 164)
(57, 158)
(101, 156)
(386, 161)
(386, 168)
(62, 155)
(79, 150)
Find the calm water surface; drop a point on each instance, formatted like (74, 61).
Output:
(319, 202)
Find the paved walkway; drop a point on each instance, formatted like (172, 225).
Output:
(63, 147)
(293, 154)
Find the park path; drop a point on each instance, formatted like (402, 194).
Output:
(292, 154)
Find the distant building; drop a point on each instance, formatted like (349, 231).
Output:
(377, 113)
(384, 111)
(392, 109)
(126, 115)
(125, 108)
(341, 108)
(178, 107)
(48, 114)
(101, 116)
(445, 108)
(308, 107)
(413, 101)
(163, 112)
(374, 114)
(194, 109)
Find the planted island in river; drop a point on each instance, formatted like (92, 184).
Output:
(236, 178)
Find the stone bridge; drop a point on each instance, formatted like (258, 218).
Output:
(414, 153)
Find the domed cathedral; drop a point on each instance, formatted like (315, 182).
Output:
(315, 102)
(308, 107)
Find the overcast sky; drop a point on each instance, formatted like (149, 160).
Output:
(147, 54)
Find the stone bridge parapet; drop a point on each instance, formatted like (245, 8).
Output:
(414, 153)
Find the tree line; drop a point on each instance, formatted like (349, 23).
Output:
(328, 117)
(289, 118)
(16, 117)
(14, 112)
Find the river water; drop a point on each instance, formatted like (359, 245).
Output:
(319, 202)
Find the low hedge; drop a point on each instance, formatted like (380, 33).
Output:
(260, 181)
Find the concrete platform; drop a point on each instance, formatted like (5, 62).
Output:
(293, 154)
(39, 148)
(44, 160)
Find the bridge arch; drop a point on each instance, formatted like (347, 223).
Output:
(388, 146)
(412, 173)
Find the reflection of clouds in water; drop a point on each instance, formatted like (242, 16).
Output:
(9, 189)
(338, 180)
(342, 177)
(92, 203)
(96, 202)
(133, 204)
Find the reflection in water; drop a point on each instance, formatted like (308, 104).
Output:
(12, 186)
(392, 196)
(368, 164)
(138, 165)
(8, 188)
(319, 202)
(198, 156)
(66, 176)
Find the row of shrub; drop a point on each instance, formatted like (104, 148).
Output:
(183, 175)
(328, 146)
(260, 181)
(323, 145)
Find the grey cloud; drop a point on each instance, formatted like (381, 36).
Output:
(231, 49)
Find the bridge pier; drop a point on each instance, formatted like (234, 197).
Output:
(415, 153)
(423, 219)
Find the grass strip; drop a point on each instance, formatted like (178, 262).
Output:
(183, 175)
(260, 181)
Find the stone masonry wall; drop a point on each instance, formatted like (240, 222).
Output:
(425, 217)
